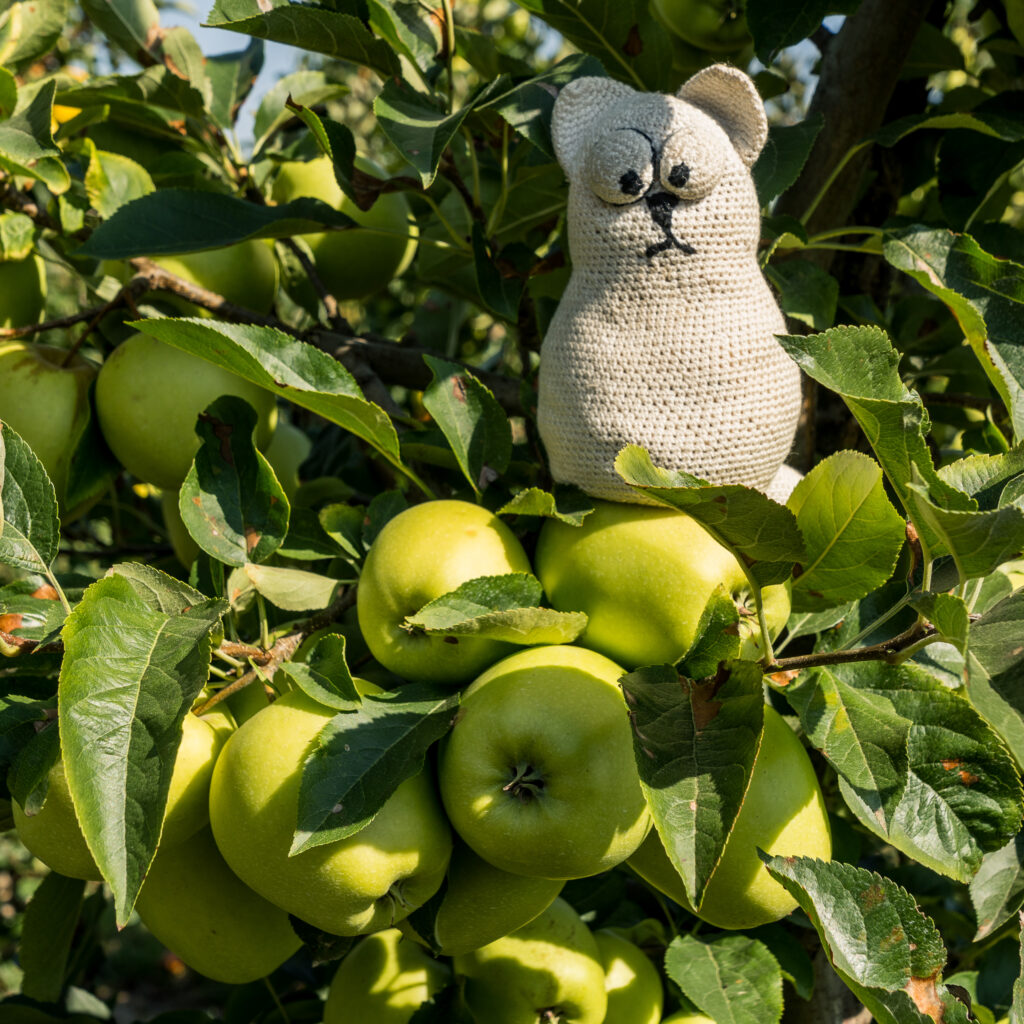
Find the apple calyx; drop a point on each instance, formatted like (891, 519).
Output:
(526, 783)
(550, 1015)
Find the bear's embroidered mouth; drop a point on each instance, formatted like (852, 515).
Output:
(661, 205)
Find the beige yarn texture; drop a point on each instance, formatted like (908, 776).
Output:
(664, 336)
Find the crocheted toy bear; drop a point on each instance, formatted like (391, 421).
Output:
(665, 334)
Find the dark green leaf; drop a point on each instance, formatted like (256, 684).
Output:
(567, 504)
(231, 502)
(324, 947)
(732, 978)
(29, 775)
(776, 24)
(784, 156)
(129, 677)
(501, 293)
(344, 525)
(46, 934)
(382, 509)
(231, 78)
(29, 528)
(317, 29)
(717, 638)
(26, 141)
(987, 123)
(852, 533)
(997, 890)
(325, 675)
(292, 369)
(306, 540)
(306, 88)
(294, 590)
(948, 614)
(884, 949)
(806, 292)
(361, 757)
(171, 221)
(695, 745)
(410, 28)
(809, 623)
(471, 419)
(792, 955)
(761, 533)
(159, 591)
(132, 24)
(182, 55)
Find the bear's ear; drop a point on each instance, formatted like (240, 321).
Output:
(728, 95)
(577, 107)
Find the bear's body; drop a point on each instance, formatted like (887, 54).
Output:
(665, 334)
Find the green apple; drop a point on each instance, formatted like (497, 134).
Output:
(287, 451)
(716, 25)
(245, 274)
(783, 813)
(643, 575)
(55, 837)
(482, 903)
(688, 1017)
(538, 774)
(1013, 570)
(46, 402)
(22, 291)
(385, 979)
(201, 911)
(148, 398)
(364, 883)
(630, 980)
(424, 552)
(356, 262)
(548, 970)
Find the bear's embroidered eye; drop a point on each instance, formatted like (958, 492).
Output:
(619, 166)
(691, 165)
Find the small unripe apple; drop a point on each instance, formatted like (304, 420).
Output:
(424, 552)
(46, 402)
(288, 450)
(22, 291)
(385, 979)
(356, 262)
(643, 576)
(245, 274)
(204, 914)
(783, 813)
(149, 396)
(630, 980)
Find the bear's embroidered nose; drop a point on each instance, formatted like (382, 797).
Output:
(661, 205)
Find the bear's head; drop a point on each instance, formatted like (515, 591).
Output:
(661, 179)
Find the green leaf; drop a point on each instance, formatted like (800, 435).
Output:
(695, 745)
(793, 957)
(985, 294)
(566, 504)
(325, 674)
(113, 180)
(231, 502)
(293, 590)
(8, 93)
(717, 638)
(984, 477)
(17, 235)
(500, 292)
(852, 533)
(880, 944)
(316, 29)
(26, 141)
(861, 366)
(986, 122)
(46, 933)
(809, 623)
(129, 677)
(31, 29)
(172, 221)
(344, 525)
(182, 55)
(306, 88)
(1017, 1008)
(761, 533)
(132, 24)
(806, 292)
(306, 540)
(784, 156)
(291, 369)
(776, 24)
(231, 78)
(960, 796)
(995, 670)
(997, 890)
(410, 28)
(622, 34)
(29, 527)
(160, 592)
(497, 608)
(471, 419)
(361, 757)
(29, 775)
(382, 509)
(948, 614)
(732, 978)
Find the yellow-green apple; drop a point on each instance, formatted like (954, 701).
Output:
(356, 262)
(630, 980)
(548, 970)
(46, 402)
(22, 291)
(193, 903)
(364, 883)
(424, 552)
(245, 274)
(482, 903)
(288, 450)
(148, 398)
(538, 774)
(55, 837)
(783, 813)
(716, 25)
(385, 979)
(687, 1017)
(643, 576)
